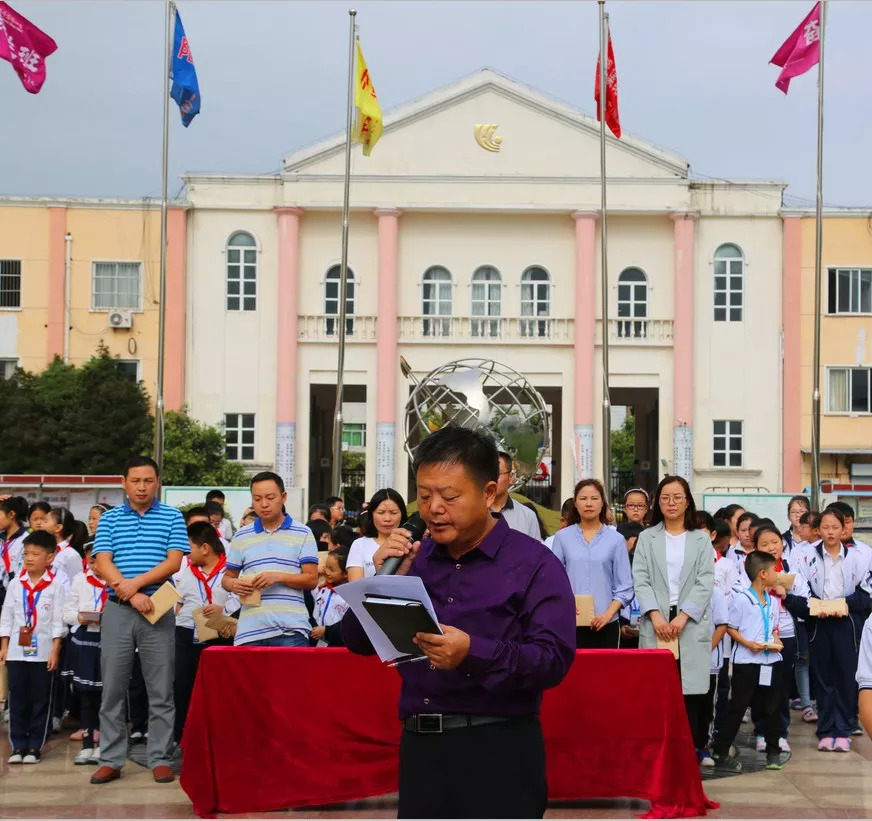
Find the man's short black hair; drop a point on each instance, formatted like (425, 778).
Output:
(140, 462)
(267, 476)
(843, 507)
(43, 539)
(332, 500)
(507, 458)
(756, 561)
(474, 449)
(217, 493)
(197, 510)
(214, 507)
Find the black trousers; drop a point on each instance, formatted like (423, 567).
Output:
(608, 638)
(30, 695)
(491, 771)
(747, 691)
(187, 661)
(89, 715)
(705, 715)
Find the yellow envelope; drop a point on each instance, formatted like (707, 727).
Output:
(584, 611)
(163, 600)
(668, 645)
(201, 625)
(4, 683)
(830, 607)
(220, 621)
(253, 599)
(786, 580)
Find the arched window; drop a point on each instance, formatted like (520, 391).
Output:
(241, 272)
(632, 303)
(535, 302)
(487, 286)
(436, 301)
(729, 283)
(331, 301)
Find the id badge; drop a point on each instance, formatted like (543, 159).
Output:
(765, 675)
(25, 636)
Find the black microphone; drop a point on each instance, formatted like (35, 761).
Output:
(416, 526)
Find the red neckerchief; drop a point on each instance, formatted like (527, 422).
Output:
(779, 566)
(95, 582)
(4, 549)
(61, 546)
(32, 593)
(198, 574)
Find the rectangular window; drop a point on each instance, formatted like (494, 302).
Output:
(354, 435)
(241, 279)
(7, 368)
(239, 436)
(10, 283)
(116, 285)
(849, 291)
(728, 289)
(130, 368)
(727, 443)
(848, 390)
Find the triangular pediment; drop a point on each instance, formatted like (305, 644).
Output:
(449, 132)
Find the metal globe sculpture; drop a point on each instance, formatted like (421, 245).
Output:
(481, 393)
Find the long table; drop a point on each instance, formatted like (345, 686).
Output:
(279, 728)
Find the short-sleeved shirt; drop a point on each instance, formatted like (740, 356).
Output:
(138, 542)
(720, 615)
(864, 666)
(361, 553)
(747, 616)
(282, 610)
(521, 518)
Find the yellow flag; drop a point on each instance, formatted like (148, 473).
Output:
(368, 127)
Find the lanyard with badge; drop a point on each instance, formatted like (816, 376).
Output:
(326, 608)
(765, 679)
(30, 601)
(5, 549)
(207, 583)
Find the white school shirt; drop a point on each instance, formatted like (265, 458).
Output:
(84, 597)
(11, 550)
(225, 531)
(361, 553)
(49, 618)
(194, 596)
(330, 607)
(864, 665)
(726, 575)
(675, 546)
(834, 573)
(746, 616)
(68, 558)
(720, 615)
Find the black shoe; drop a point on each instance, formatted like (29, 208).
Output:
(857, 731)
(32, 757)
(727, 763)
(137, 737)
(773, 761)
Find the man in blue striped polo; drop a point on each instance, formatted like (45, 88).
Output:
(138, 546)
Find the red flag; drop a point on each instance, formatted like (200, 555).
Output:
(24, 46)
(613, 121)
(800, 51)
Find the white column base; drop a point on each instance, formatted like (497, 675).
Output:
(584, 452)
(682, 452)
(286, 452)
(385, 441)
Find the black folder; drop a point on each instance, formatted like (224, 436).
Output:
(401, 619)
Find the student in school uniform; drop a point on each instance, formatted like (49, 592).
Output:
(225, 528)
(720, 622)
(793, 535)
(745, 542)
(730, 514)
(200, 586)
(330, 607)
(630, 615)
(82, 661)
(809, 524)
(833, 571)
(864, 677)
(59, 523)
(596, 561)
(565, 510)
(36, 515)
(31, 627)
(13, 531)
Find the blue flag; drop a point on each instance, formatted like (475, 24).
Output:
(185, 90)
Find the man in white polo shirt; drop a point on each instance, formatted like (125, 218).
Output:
(518, 516)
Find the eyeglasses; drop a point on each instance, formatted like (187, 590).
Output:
(506, 472)
(635, 507)
(676, 499)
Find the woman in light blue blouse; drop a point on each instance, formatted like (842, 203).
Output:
(596, 561)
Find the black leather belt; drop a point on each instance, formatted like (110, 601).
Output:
(426, 723)
(119, 602)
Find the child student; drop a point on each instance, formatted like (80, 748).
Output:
(60, 523)
(809, 529)
(13, 531)
(225, 529)
(31, 627)
(756, 669)
(330, 607)
(82, 610)
(565, 510)
(745, 542)
(726, 576)
(94, 515)
(630, 615)
(36, 515)
(201, 588)
(720, 622)
(835, 572)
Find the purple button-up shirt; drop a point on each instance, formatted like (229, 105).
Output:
(512, 596)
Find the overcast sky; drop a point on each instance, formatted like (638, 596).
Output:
(693, 76)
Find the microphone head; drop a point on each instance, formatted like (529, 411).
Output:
(416, 526)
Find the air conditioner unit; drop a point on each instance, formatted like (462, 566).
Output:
(120, 319)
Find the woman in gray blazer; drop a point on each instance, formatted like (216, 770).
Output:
(673, 575)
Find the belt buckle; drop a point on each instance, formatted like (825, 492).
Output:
(428, 723)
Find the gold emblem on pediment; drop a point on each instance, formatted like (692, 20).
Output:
(485, 136)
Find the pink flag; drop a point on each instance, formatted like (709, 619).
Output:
(800, 51)
(25, 46)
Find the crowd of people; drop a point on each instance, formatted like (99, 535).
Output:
(741, 605)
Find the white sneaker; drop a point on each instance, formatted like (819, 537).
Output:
(55, 725)
(783, 745)
(15, 758)
(84, 756)
(761, 744)
(747, 717)
(32, 758)
(95, 756)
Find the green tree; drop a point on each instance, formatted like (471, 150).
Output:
(624, 444)
(194, 454)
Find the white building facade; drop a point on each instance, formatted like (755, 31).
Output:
(459, 250)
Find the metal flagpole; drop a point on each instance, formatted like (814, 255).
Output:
(604, 233)
(343, 270)
(818, 251)
(169, 10)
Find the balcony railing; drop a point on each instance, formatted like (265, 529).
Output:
(312, 328)
(485, 329)
(637, 332)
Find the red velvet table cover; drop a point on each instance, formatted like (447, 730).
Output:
(277, 728)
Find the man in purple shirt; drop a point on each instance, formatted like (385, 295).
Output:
(472, 744)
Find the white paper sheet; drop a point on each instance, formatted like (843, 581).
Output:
(407, 587)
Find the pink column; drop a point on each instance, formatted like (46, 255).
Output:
(57, 227)
(791, 403)
(286, 344)
(176, 350)
(387, 361)
(682, 356)
(585, 330)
